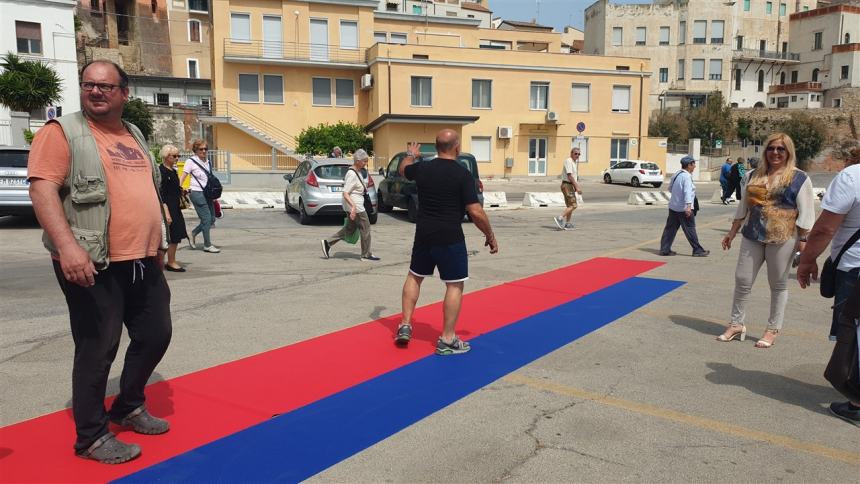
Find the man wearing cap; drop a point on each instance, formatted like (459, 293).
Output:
(682, 210)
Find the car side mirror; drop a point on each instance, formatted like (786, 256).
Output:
(288, 177)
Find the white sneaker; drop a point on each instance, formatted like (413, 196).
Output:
(558, 221)
(192, 242)
(211, 249)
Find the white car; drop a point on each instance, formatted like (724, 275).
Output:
(634, 172)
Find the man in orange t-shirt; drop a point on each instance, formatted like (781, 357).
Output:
(131, 290)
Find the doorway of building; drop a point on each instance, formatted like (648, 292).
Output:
(537, 156)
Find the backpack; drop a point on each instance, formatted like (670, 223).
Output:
(213, 188)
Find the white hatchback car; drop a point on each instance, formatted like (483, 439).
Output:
(634, 172)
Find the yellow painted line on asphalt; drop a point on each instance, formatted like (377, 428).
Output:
(652, 242)
(692, 420)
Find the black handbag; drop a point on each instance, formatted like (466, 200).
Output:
(827, 280)
(213, 188)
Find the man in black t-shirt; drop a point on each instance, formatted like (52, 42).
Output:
(446, 192)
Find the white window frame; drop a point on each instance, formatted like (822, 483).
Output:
(667, 39)
(239, 86)
(546, 101)
(588, 97)
(196, 67)
(682, 32)
(682, 64)
(583, 148)
(490, 81)
(622, 87)
(660, 78)
(711, 73)
(383, 34)
(199, 30)
(233, 38)
(357, 33)
(330, 96)
(722, 38)
(279, 76)
(644, 36)
(411, 78)
(334, 93)
(620, 37)
(704, 31)
(405, 38)
(489, 140)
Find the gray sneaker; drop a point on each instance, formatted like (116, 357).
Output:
(455, 347)
(559, 222)
(568, 226)
(109, 450)
(404, 334)
(143, 422)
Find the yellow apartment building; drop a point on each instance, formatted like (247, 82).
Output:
(518, 102)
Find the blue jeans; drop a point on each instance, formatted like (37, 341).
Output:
(206, 212)
(845, 283)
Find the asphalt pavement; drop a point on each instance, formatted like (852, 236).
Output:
(651, 397)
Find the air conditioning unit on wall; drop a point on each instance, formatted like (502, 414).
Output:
(366, 82)
(505, 132)
(551, 116)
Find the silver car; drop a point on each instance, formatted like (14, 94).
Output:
(14, 187)
(316, 188)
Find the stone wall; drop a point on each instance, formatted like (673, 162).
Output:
(175, 125)
(840, 126)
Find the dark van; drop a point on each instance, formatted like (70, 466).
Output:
(396, 191)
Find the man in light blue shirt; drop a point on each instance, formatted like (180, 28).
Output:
(682, 210)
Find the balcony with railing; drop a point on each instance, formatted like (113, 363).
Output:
(759, 54)
(796, 87)
(293, 53)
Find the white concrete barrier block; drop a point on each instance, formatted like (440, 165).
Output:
(495, 199)
(649, 198)
(543, 199)
(718, 194)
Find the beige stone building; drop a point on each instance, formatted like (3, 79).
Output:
(696, 47)
(827, 40)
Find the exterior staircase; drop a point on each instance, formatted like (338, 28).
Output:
(226, 112)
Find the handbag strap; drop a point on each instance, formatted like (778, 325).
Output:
(359, 178)
(192, 160)
(850, 243)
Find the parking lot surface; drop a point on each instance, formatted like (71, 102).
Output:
(650, 396)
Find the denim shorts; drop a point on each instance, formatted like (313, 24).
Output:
(451, 260)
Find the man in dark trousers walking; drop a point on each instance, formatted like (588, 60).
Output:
(682, 210)
(446, 192)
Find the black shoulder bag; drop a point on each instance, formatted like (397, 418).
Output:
(368, 205)
(828, 272)
(213, 188)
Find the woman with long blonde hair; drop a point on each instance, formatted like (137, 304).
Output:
(776, 212)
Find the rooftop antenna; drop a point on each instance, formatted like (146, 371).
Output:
(537, 8)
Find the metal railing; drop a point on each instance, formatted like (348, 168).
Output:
(264, 49)
(266, 161)
(796, 87)
(232, 110)
(219, 159)
(765, 54)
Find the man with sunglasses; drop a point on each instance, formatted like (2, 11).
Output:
(95, 190)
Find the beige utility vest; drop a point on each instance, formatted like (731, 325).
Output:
(84, 193)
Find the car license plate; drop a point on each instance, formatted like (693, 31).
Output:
(13, 182)
(653, 172)
(336, 189)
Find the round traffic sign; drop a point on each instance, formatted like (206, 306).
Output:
(580, 126)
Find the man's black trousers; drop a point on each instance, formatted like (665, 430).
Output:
(133, 293)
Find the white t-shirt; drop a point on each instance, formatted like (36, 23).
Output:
(568, 168)
(199, 179)
(843, 197)
(353, 187)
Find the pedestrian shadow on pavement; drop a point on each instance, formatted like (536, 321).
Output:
(777, 387)
(697, 324)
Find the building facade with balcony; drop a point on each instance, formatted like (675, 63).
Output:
(697, 47)
(514, 97)
(828, 71)
(164, 45)
(43, 31)
(477, 9)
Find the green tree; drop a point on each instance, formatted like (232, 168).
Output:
(320, 139)
(713, 121)
(807, 135)
(669, 124)
(745, 129)
(137, 113)
(28, 85)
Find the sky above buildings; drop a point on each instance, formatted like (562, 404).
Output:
(556, 13)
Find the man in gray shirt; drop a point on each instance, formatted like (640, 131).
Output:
(682, 210)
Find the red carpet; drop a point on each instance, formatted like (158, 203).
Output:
(209, 404)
